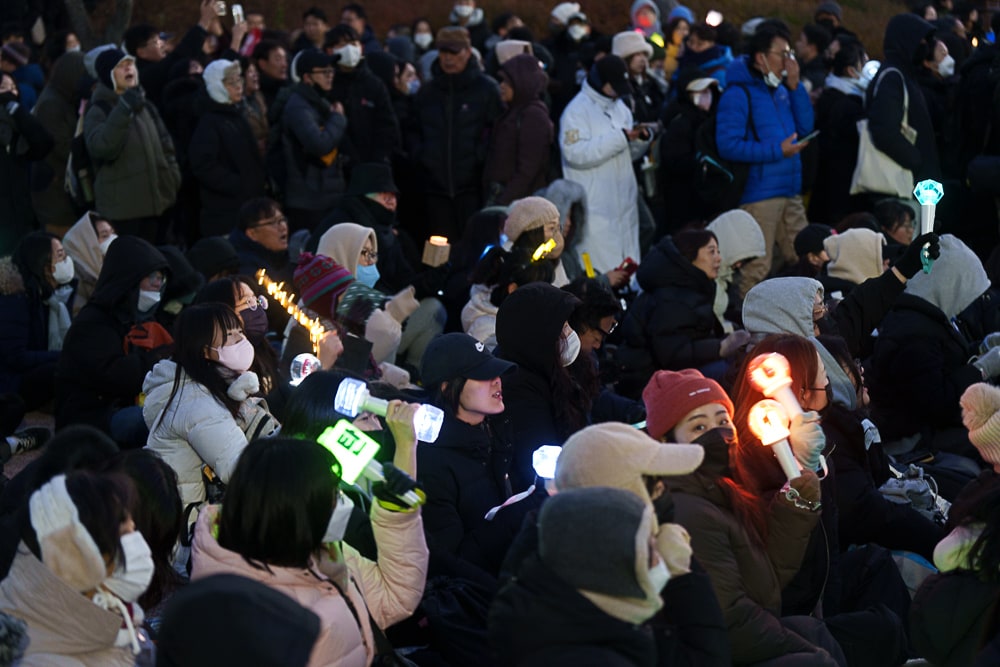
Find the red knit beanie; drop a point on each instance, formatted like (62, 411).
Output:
(669, 395)
(319, 281)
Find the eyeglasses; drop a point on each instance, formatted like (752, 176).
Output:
(611, 329)
(157, 277)
(253, 303)
(787, 53)
(370, 255)
(275, 221)
(322, 72)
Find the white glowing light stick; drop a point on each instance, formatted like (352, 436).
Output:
(771, 375)
(769, 422)
(303, 365)
(353, 398)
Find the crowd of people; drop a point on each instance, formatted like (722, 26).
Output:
(461, 344)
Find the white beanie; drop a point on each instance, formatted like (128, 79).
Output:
(855, 255)
(213, 76)
(629, 43)
(564, 10)
(510, 48)
(981, 415)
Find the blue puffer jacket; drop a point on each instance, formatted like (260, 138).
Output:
(777, 113)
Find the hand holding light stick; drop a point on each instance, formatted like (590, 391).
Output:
(353, 398)
(769, 422)
(928, 193)
(355, 452)
(543, 460)
(771, 375)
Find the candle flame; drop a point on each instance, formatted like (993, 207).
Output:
(287, 301)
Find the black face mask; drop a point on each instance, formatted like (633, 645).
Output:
(255, 322)
(716, 444)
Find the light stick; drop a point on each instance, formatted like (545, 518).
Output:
(771, 375)
(353, 398)
(928, 193)
(356, 453)
(287, 301)
(302, 365)
(769, 422)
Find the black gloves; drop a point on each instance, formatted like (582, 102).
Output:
(389, 494)
(133, 99)
(909, 264)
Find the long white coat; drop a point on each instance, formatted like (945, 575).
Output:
(597, 155)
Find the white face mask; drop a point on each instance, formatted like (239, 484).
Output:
(772, 80)
(350, 55)
(463, 11)
(946, 67)
(569, 349)
(659, 575)
(148, 300)
(132, 580)
(106, 243)
(423, 39)
(63, 271)
(577, 32)
(337, 528)
(702, 100)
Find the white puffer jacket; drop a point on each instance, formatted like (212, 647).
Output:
(197, 429)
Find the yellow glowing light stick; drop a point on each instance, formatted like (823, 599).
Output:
(543, 250)
(587, 265)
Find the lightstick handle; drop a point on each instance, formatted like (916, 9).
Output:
(376, 406)
(373, 472)
(783, 452)
(927, 218)
(786, 397)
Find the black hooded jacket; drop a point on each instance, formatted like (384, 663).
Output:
(672, 321)
(455, 112)
(95, 375)
(372, 128)
(529, 326)
(903, 36)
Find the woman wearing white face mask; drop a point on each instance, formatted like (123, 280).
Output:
(201, 405)
(282, 524)
(87, 242)
(35, 286)
(543, 403)
(371, 122)
(81, 559)
(937, 81)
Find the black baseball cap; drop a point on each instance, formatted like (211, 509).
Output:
(311, 59)
(459, 355)
(612, 69)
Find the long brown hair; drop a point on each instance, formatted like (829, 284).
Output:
(754, 465)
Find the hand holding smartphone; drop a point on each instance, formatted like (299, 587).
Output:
(809, 137)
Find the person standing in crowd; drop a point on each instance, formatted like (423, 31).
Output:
(314, 27)
(271, 59)
(372, 127)
(223, 153)
(153, 58)
(455, 110)
(472, 19)
(810, 50)
(137, 176)
(647, 98)
(312, 132)
(599, 142)
(22, 140)
(909, 40)
(112, 344)
(521, 142)
(569, 47)
(57, 110)
(354, 15)
(781, 113)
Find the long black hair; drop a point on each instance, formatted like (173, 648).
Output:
(194, 332)
(499, 268)
(32, 257)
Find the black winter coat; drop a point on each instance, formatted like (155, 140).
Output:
(465, 474)
(918, 371)
(539, 620)
(672, 321)
(22, 140)
(153, 74)
(310, 129)
(865, 514)
(227, 164)
(456, 112)
(95, 375)
(837, 115)
(885, 110)
(678, 163)
(949, 614)
(372, 128)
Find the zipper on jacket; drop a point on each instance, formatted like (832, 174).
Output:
(449, 118)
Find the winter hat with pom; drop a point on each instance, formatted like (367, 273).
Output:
(981, 415)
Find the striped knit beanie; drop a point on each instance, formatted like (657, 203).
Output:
(319, 282)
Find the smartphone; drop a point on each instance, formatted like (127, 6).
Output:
(809, 137)
(628, 266)
(238, 16)
(220, 8)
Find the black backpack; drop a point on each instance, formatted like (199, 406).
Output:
(720, 182)
(81, 170)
